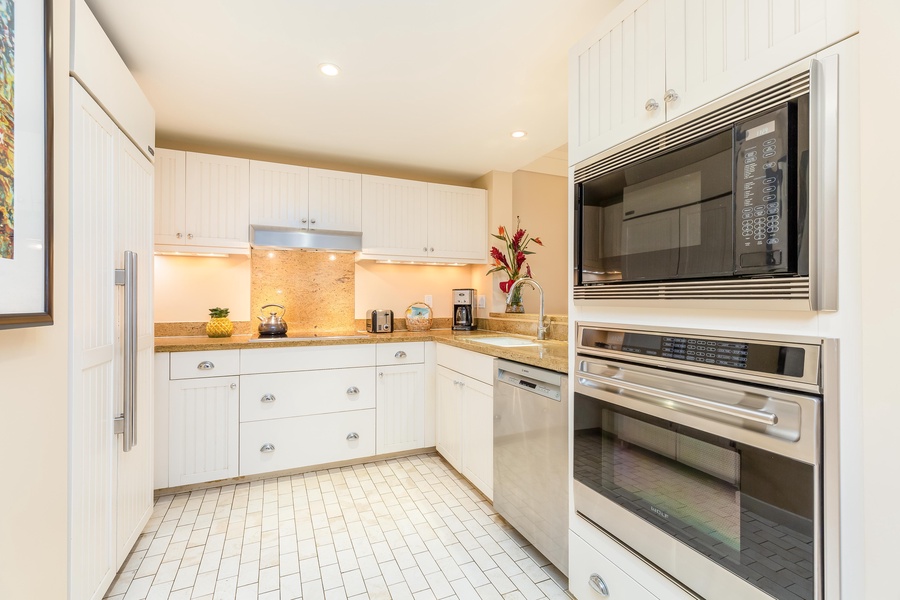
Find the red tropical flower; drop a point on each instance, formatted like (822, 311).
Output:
(514, 261)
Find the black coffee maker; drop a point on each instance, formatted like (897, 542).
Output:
(464, 309)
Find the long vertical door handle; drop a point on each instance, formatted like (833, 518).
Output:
(130, 335)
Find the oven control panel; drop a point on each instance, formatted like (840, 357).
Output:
(750, 356)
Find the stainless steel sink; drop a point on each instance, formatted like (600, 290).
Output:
(506, 342)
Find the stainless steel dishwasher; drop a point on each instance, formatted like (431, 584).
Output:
(531, 451)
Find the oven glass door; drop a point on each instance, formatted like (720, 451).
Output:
(746, 509)
(670, 217)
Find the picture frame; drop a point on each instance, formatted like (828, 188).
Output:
(26, 163)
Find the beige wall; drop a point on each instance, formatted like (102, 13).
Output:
(186, 287)
(397, 286)
(880, 291)
(540, 200)
(33, 370)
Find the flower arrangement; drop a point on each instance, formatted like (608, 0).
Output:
(513, 260)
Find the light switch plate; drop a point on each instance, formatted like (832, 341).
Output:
(481, 301)
(429, 300)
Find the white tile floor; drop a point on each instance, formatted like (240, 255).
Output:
(409, 527)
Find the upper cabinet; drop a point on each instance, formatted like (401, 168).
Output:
(201, 202)
(304, 198)
(417, 221)
(654, 60)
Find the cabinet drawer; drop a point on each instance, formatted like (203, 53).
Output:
(474, 364)
(279, 395)
(206, 363)
(400, 353)
(585, 562)
(306, 358)
(275, 445)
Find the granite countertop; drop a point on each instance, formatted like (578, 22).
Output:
(548, 354)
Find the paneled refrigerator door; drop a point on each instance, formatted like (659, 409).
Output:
(111, 491)
(133, 211)
(92, 450)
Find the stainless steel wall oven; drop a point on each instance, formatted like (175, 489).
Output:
(703, 455)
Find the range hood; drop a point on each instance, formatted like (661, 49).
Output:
(287, 238)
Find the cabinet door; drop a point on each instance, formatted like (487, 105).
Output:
(616, 77)
(279, 195)
(478, 434)
(715, 47)
(335, 200)
(457, 223)
(217, 205)
(203, 430)
(168, 197)
(394, 217)
(400, 408)
(448, 412)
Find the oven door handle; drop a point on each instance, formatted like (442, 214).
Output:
(748, 414)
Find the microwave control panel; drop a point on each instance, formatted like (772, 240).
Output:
(762, 187)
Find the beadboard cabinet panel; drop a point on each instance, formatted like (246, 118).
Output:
(395, 211)
(400, 414)
(335, 200)
(168, 197)
(457, 223)
(279, 195)
(217, 210)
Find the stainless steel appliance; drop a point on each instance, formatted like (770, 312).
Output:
(703, 455)
(728, 203)
(464, 309)
(274, 325)
(531, 456)
(379, 321)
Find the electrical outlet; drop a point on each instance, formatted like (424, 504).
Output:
(481, 301)
(429, 300)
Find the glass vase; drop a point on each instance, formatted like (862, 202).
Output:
(515, 301)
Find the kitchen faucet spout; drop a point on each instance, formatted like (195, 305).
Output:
(541, 329)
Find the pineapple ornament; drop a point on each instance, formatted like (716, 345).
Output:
(219, 324)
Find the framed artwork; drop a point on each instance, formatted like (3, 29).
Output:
(26, 134)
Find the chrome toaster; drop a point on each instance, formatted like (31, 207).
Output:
(380, 321)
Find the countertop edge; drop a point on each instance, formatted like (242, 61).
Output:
(551, 354)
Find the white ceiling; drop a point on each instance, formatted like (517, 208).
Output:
(433, 86)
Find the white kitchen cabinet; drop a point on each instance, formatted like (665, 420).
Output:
(199, 423)
(478, 434)
(394, 214)
(304, 198)
(280, 444)
(413, 220)
(448, 416)
(457, 223)
(202, 203)
(653, 60)
(305, 406)
(279, 195)
(400, 415)
(203, 430)
(335, 200)
(465, 414)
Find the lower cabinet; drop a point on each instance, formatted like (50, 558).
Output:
(400, 419)
(464, 416)
(276, 445)
(197, 429)
(592, 575)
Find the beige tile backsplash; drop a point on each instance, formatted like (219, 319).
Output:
(317, 292)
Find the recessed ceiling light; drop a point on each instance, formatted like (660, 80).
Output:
(329, 69)
(519, 134)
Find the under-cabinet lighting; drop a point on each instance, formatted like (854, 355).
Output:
(416, 262)
(204, 254)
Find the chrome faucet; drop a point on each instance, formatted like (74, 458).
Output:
(541, 329)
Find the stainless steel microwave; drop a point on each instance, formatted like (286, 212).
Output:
(716, 207)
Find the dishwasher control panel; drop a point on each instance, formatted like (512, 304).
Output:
(533, 384)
